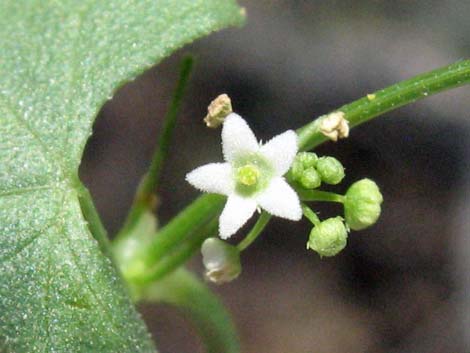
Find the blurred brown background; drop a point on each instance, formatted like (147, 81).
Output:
(401, 286)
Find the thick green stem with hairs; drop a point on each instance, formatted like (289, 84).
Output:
(175, 258)
(174, 239)
(192, 218)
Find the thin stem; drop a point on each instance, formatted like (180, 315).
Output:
(255, 231)
(310, 215)
(145, 196)
(153, 175)
(180, 255)
(391, 98)
(210, 318)
(316, 195)
(93, 219)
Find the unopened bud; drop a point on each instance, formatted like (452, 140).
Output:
(330, 169)
(362, 205)
(221, 260)
(329, 237)
(310, 178)
(308, 159)
(218, 110)
(302, 161)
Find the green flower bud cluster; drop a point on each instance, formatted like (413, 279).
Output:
(362, 204)
(221, 260)
(328, 237)
(310, 171)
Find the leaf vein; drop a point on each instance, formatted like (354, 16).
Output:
(24, 190)
(46, 152)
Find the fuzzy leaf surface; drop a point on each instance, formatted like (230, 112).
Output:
(59, 62)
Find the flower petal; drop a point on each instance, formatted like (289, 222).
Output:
(214, 177)
(280, 151)
(280, 200)
(236, 212)
(237, 138)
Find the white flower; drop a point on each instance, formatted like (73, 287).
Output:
(251, 177)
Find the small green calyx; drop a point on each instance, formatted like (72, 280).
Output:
(329, 237)
(248, 175)
(362, 204)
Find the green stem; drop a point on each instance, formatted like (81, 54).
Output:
(145, 198)
(208, 314)
(316, 195)
(255, 231)
(93, 219)
(197, 214)
(391, 98)
(153, 175)
(310, 215)
(180, 255)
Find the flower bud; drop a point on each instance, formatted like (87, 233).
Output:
(330, 169)
(329, 237)
(221, 260)
(302, 162)
(362, 204)
(310, 178)
(308, 159)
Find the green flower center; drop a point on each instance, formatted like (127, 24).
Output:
(248, 174)
(252, 174)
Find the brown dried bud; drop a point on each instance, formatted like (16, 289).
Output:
(335, 126)
(218, 110)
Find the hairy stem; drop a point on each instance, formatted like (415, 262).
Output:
(204, 209)
(175, 258)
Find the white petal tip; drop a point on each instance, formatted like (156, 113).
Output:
(214, 178)
(237, 137)
(280, 151)
(280, 200)
(236, 213)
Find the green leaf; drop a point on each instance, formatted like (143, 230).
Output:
(59, 62)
